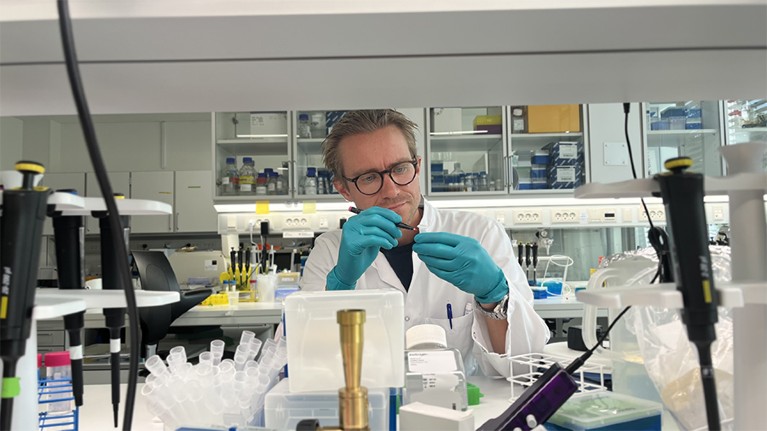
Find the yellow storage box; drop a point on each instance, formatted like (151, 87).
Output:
(553, 118)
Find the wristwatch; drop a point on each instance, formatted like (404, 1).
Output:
(497, 313)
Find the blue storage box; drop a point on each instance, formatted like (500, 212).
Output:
(566, 153)
(565, 177)
(673, 112)
(660, 125)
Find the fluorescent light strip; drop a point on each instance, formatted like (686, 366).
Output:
(263, 136)
(459, 132)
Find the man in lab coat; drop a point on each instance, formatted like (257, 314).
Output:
(456, 269)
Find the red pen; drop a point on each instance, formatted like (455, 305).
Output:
(356, 210)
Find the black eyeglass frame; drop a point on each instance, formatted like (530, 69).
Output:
(354, 180)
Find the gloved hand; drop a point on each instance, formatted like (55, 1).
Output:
(463, 262)
(363, 235)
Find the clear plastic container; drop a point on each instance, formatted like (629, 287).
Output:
(247, 176)
(230, 178)
(58, 371)
(280, 186)
(607, 410)
(455, 181)
(304, 126)
(434, 373)
(271, 181)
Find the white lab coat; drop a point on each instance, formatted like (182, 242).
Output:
(428, 296)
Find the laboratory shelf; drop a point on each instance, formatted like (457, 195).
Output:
(108, 298)
(266, 146)
(48, 307)
(310, 145)
(124, 207)
(531, 136)
(682, 132)
(464, 142)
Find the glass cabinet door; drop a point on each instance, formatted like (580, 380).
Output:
(690, 128)
(746, 121)
(547, 148)
(312, 179)
(252, 155)
(465, 150)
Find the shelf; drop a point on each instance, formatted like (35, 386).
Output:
(466, 143)
(249, 147)
(748, 130)
(532, 136)
(124, 207)
(107, 298)
(51, 307)
(682, 132)
(310, 145)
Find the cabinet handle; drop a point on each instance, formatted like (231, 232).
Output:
(506, 172)
(177, 217)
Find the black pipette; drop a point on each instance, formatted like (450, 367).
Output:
(535, 261)
(21, 227)
(114, 318)
(520, 252)
(528, 262)
(682, 194)
(69, 236)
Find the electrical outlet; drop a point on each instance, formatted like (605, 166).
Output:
(500, 218)
(323, 223)
(527, 216)
(717, 213)
(603, 215)
(657, 213)
(564, 215)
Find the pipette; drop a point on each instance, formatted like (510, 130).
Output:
(114, 318)
(69, 235)
(21, 227)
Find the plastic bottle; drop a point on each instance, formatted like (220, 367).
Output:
(58, 366)
(230, 178)
(261, 184)
(304, 126)
(247, 176)
(310, 184)
(434, 373)
(279, 181)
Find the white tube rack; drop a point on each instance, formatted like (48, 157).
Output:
(746, 294)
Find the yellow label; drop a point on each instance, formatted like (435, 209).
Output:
(707, 291)
(310, 207)
(3, 307)
(262, 207)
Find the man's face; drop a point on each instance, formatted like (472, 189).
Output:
(374, 152)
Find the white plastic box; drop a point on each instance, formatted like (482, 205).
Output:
(283, 410)
(314, 346)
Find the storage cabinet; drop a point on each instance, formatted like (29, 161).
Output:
(156, 186)
(465, 150)
(746, 121)
(257, 137)
(193, 210)
(689, 128)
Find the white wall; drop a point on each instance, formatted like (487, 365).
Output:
(11, 138)
(606, 122)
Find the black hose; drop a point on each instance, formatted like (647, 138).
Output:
(89, 132)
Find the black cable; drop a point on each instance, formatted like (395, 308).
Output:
(86, 122)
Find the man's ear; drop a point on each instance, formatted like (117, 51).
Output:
(340, 185)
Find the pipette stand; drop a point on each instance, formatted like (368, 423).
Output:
(51, 303)
(746, 185)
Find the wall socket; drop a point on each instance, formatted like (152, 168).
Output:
(527, 216)
(657, 213)
(565, 215)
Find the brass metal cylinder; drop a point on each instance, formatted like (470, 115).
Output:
(353, 398)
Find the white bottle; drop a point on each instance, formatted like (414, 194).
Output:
(247, 176)
(434, 373)
(310, 184)
(304, 126)
(58, 371)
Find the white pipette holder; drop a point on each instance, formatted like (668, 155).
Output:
(746, 294)
(52, 303)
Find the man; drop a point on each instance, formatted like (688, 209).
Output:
(456, 269)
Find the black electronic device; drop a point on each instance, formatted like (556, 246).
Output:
(21, 226)
(114, 318)
(682, 194)
(69, 235)
(537, 403)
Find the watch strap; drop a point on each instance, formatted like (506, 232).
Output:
(499, 312)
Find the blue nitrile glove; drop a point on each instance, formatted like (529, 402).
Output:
(363, 235)
(463, 262)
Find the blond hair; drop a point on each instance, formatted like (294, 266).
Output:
(364, 121)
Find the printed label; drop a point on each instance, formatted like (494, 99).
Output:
(438, 361)
(568, 151)
(566, 175)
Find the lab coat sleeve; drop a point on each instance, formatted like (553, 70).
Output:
(320, 262)
(527, 332)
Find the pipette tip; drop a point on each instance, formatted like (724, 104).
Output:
(115, 410)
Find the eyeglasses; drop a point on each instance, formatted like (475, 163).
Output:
(371, 183)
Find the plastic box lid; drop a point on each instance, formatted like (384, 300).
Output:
(603, 409)
(283, 410)
(313, 338)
